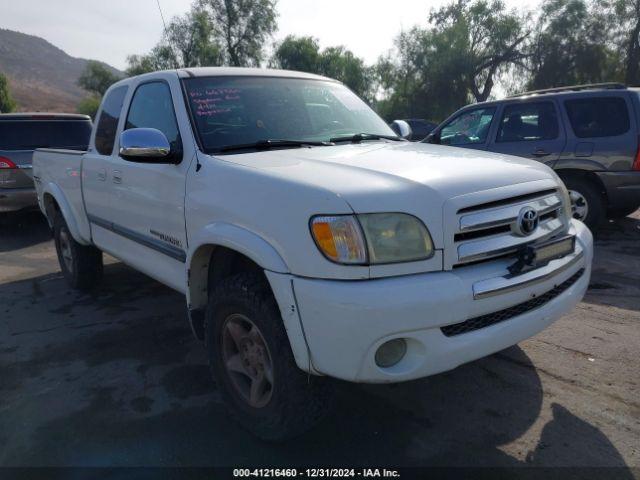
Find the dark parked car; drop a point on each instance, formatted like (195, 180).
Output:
(20, 135)
(588, 134)
(420, 128)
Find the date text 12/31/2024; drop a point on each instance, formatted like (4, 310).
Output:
(316, 473)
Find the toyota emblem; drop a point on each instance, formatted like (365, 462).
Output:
(527, 222)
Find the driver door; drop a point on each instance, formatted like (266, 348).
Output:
(148, 198)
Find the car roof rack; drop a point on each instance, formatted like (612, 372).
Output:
(574, 88)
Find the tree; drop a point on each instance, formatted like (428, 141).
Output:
(628, 11)
(7, 103)
(297, 53)
(304, 54)
(189, 41)
(457, 57)
(343, 65)
(243, 27)
(427, 75)
(487, 37)
(572, 46)
(89, 106)
(623, 25)
(97, 78)
(399, 77)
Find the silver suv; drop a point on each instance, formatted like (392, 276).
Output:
(20, 135)
(588, 134)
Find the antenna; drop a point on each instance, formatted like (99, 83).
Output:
(164, 25)
(162, 16)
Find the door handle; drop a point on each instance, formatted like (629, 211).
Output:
(117, 176)
(539, 152)
(102, 175)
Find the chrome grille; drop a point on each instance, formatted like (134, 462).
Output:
(488, 231)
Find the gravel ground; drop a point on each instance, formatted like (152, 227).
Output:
(115, 378)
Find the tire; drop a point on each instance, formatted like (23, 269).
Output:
(294, 401)
(587, 195)
(81, 265)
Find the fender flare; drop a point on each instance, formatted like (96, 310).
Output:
(585, 163)
(233, 237)
(63, 204)
(241, 240)
(260, 251)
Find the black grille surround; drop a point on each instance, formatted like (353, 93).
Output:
(500, 316)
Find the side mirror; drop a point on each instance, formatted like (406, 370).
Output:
(145, 145)
(402, 129)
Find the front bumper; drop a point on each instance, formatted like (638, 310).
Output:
(623, 188)
(344, 322)
(14, 199)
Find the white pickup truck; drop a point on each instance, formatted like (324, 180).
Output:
(308, 239)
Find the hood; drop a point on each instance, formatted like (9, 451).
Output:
(353, 168)
(415, 178)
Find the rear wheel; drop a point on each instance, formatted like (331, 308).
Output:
(587, 201)
(81, 265)
(252, 361)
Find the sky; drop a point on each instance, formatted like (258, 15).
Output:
(109, 30)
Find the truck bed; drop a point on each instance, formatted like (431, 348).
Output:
(57, 175)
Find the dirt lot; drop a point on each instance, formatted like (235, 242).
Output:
(115, 378)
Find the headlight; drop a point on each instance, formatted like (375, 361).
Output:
(564, 194)
(340, 238)
(395, 237)
(372, 238)
(566, 201)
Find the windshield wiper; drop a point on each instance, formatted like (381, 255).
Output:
(358, 137)
(272, 143)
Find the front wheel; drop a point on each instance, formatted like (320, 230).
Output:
(587, 202)
(81, 265)
(252, 361)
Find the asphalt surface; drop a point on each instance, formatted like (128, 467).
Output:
(115, 378)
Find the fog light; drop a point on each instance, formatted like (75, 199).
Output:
(391, 352)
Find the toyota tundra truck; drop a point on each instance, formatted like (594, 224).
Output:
(310, 241)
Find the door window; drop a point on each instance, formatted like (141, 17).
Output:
(152, 107)
(468, 128)
(528, 121)
(598, 117)
(108, 121)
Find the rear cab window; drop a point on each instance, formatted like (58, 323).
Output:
(528, 122)
(107, 125)
(598, 117)
(35, 133)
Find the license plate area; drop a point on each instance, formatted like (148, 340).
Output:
(535, 256)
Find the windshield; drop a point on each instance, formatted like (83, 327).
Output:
(32, 134)
(243, 110)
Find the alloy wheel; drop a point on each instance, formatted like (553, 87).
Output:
(65, 249)
(579, 205)
(247, 360)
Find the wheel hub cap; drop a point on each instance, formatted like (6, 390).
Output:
(247, 360)
(579, 205)
(65, 249)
